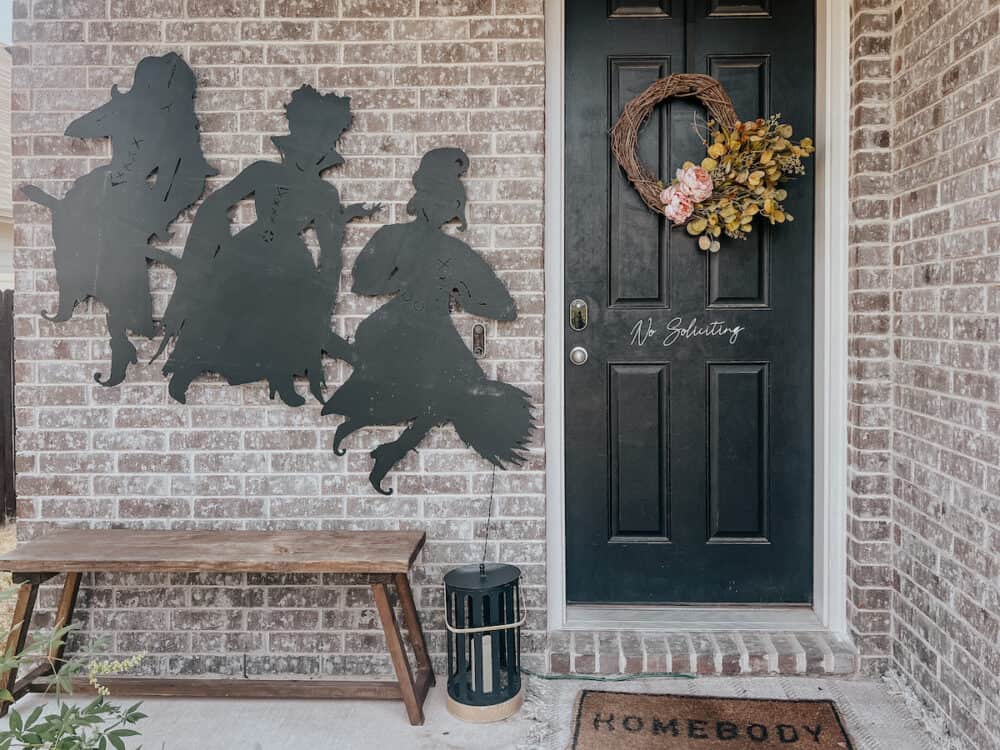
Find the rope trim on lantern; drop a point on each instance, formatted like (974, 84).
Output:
(486, 628)
(625, 133)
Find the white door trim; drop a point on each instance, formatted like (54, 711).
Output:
(830, 388)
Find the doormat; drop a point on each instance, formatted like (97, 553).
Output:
(636, 721)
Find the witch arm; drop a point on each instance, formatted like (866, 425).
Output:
(180, 182)
(331, 225)
(480, 291)
(211, 223)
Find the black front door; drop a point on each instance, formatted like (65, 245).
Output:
(689, 427)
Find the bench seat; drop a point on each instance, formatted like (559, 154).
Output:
(384, 556)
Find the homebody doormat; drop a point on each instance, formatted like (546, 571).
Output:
(636, 721)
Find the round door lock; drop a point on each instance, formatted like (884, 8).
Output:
(578, 355)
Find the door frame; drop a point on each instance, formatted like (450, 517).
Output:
(829, 608)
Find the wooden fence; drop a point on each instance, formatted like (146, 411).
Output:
(7, 497)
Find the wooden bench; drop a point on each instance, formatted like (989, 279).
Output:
(385, 556)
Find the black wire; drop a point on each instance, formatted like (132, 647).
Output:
(489, 515)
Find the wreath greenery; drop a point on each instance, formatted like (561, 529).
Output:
(739, 177)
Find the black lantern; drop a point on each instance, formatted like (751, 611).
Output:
(484, 618)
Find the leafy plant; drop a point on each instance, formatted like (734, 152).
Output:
(98, 725)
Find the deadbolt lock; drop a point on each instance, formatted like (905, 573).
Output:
(579, 314)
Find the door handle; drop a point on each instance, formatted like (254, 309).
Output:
(578, 355)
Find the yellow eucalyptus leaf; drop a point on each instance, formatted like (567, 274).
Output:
(696, 226)
(716, 231)
(687, 165)
(716, 150)
(785, 131)
(781, 194)
(709, 164)
(766, 156)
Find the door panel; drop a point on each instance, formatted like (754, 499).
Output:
(737, 451)
(639, 240)
(689, 428)
(640, 478)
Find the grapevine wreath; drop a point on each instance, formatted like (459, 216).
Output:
(739, 178)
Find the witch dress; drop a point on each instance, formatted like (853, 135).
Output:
(256, 306)
(102, 227)
(410, 363)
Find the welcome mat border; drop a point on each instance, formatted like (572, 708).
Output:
(832, 703)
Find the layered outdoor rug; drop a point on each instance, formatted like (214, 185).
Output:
(636, 721)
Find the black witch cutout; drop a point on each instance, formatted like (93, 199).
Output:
(102, 227)
(410, 363)
(255, 305)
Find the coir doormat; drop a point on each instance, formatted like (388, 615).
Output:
(636, 721)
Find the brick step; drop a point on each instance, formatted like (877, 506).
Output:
(715, 653)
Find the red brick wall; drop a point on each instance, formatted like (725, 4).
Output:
(421, 73)
(925, 353)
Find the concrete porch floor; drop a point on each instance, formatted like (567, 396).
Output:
(875, 719)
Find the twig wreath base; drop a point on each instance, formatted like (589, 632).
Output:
(625, 133)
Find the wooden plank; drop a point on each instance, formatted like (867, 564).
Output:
(7, 496)
(398, 653)
(24, 684)
(423, 684)
(156, 687)
(127, 550)
(18, 635)
(64, 615)
(412, 620)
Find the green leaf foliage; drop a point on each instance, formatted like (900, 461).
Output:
(98, 725)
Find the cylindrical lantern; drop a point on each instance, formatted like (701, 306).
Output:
(484, 618)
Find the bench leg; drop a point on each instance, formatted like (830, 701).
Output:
(412, 620)
(64, 615)
(27, 594)
(407, 689)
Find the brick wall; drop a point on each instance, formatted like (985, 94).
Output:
(421, 74)
(869, 553)
(931, 239)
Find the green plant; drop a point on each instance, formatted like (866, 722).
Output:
(98, 725)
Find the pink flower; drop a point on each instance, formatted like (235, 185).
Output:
(696, 183)
(677, 206)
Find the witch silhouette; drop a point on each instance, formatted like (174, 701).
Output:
(103, 225)
(256, 305)
(410, 363)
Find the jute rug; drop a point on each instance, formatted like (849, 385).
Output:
(636, 721)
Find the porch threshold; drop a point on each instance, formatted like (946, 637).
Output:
(687, 618)
(700, 651)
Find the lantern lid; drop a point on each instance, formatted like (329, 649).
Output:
(486, 576)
